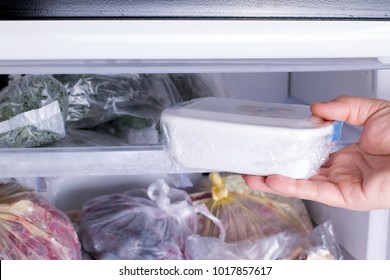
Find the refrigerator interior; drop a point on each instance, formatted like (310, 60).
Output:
(78, 174)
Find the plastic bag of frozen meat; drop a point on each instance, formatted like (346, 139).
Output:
(244, 214)
(320, 244)
(32, 228)
(144, 223)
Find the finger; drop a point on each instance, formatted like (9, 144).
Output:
(258, 183)
(353, 110)
(321, 191)
(324, 171)
(319, 178)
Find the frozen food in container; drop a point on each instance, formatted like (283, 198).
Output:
(249, 137)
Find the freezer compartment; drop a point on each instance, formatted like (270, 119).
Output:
(364, 235)
(261, 216)
(110, 155)
(361, 235)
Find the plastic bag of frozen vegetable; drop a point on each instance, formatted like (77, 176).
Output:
(96, 99)
(32, 111)
(195, 85)
(127, 106)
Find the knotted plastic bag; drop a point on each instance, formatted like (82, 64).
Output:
(147, 223)
(245, 215)
(32, 228)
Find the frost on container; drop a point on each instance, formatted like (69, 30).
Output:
(242, 136)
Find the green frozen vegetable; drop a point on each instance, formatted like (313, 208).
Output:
(32, 111)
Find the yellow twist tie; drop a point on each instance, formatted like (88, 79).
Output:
(218, 190)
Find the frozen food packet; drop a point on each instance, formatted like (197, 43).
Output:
(319, 244)
(32, 228)
(195, 85)
(324, 245)
(273, 247)
(146, 223)
(247, 216)
(32, 111)
(291, 206)
(134, 130)
(96, 99)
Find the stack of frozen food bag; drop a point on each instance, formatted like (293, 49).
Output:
(94, 109)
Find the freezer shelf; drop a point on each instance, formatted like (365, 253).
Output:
(104, 66)
(50, 162)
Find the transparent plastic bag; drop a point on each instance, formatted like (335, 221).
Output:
(96, 99)
(125, 106)
(323, 244)
(293, 207)
(134, 130)
(246, 216)
(147, 223)
(32, 228)
(32, 111)
(319, 244)
(273, 247)
(87, 138)
(195, 85)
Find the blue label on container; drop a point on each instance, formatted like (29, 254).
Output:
(337, 126)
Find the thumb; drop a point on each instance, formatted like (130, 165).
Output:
(349, 109)
(373, 114)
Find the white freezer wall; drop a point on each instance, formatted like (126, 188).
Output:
(323, 86)
(265, 87)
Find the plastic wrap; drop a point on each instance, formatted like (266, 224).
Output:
(32, 228)
(131, 103)
(320, 244)
(246, 216)
(195, 85)
(242, 136)
(32, 111)
(151, 223)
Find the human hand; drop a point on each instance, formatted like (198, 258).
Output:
(356, 177)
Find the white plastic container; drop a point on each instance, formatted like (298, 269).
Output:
(242, 136)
